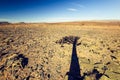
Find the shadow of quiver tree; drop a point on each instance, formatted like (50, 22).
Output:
(74, 71)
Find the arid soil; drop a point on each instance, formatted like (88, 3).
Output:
(44, 51)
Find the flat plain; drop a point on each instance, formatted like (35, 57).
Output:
(43, 51)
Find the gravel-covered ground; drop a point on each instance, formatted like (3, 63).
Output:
(44, 51)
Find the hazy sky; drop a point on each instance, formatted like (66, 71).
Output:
(58, 10)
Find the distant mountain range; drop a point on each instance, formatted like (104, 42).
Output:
(4, 22)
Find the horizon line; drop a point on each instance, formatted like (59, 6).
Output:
(91, 20)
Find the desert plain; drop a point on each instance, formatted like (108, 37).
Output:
(43, 51)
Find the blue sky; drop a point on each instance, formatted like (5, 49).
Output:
(58, 10)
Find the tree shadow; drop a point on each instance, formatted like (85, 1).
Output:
(74, 71)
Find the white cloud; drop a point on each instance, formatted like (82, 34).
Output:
(72, 9)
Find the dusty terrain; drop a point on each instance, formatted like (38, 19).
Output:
(44, 51)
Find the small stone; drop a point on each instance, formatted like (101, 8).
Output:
(48, 75)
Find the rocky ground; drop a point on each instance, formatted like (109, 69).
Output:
(43, 51)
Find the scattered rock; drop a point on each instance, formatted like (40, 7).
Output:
(42, 59)
(113, 57)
